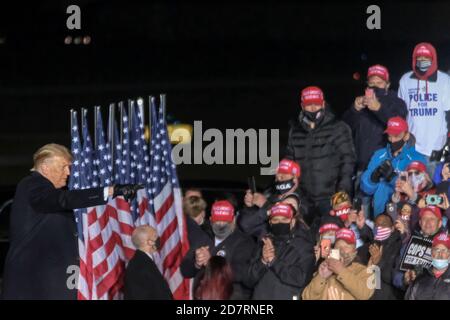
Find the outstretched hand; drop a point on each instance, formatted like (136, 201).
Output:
(128, 191)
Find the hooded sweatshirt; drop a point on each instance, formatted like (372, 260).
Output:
(427, 96)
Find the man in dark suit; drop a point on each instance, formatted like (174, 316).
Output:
(143, 281)
(43, 237)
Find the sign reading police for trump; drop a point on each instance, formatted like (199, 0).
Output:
(417, 253)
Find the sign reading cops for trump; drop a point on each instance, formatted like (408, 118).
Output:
(417, 253)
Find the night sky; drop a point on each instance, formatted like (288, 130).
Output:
(229, 64)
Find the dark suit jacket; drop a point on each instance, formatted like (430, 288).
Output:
(44, 239)
(143, 281)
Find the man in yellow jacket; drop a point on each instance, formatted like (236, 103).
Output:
(343, 278)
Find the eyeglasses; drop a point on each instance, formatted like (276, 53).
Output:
(416, 173)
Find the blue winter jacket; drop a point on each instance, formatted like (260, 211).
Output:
(383, 190)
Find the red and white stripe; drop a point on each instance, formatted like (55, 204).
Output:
(173, 236)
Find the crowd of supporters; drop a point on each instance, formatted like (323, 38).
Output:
(358, 208)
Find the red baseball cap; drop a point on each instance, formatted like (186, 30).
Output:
(442, 238)
(417, 165)
(328, 227)
(423, 51)
(289, 167)
(378, 70)
(433, 209)
(222, 211)
(396, 125)
(282, 210)
(347, 235)
(311, 95)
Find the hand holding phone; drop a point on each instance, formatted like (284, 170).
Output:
(325, 247)
(369, 93)
(335, 254)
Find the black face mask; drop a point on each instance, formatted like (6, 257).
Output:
(157, 244)
(395, 146)
(313, 116)
(378, 91)
(280, 229)
(284, 186)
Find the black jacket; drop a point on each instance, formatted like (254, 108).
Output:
(326, 155)
(44, 239)
(289, 273)
(254, 220)
(391, 250)
(428, 287)
(368, 126)
(237, 249)
(143, 281)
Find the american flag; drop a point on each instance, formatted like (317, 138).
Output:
(167, 205)
(105, 231)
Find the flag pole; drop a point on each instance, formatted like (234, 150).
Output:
(121, 120)
(130, 116)
(112, 118)
(72, 111)
(162, 103)
(97, 108)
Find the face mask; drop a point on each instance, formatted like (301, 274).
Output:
(313, 116)
(342, 213)
(440, 263)
(221, 231)
(378, 91)
(423, 65)
(280, 229)
(395, 146)
(284, 186)
(418, 182)
(331, 238)
(382, 234)
(157, 244)
(348, 257)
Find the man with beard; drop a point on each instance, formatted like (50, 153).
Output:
(323, 146)
(229, 242)
(345, 276)
(381, 175)
(284, 262)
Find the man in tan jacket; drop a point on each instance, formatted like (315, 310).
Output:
(342, 278)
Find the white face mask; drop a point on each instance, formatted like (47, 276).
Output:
(418, 182)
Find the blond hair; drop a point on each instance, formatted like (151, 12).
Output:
(49, 151)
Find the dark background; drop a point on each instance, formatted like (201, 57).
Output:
(229, 64)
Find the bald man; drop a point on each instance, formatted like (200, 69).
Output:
(143, 281)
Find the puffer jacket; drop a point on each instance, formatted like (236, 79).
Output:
(326, 155)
